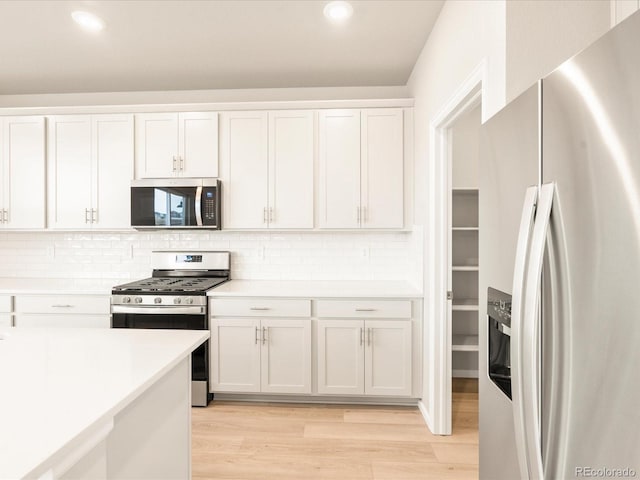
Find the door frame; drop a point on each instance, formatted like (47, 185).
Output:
(438, 259)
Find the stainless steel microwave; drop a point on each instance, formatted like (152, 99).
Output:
(189, 203)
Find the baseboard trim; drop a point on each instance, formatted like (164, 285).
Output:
(425, 415)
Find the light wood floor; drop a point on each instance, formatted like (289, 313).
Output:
(295, 441)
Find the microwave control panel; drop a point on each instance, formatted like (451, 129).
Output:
(210, 206)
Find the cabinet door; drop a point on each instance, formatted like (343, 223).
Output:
(291, 169)
(5, 320)
(382, 178)
(341, 357)
(69, 171)
(23, 173)
(156, 145)
(339, 176)
(244, 169)
(112, 155)
(388, 357)
(286, 356)
(235, 355)
(198, 144)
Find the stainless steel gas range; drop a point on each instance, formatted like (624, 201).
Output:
(175, 297)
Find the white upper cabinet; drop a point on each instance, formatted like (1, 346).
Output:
(361, 177)
(90, 167)
(267, 169)
(339, 179)
(22, 172)
(244, 138)
(381, 169)
(290, 169)
(177, 145)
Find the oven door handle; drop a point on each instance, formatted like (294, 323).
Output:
(164, 310)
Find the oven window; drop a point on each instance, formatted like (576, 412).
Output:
(150, 320)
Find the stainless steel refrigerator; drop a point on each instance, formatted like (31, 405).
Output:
(560, 271)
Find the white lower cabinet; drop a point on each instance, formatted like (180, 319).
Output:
(5, 320)
(260, 355)
(91, 311)
(364, 357)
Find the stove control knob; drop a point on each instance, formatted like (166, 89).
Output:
(126, 300)
(188, 300)
(138, 299)
(157, 300)
(177, 300)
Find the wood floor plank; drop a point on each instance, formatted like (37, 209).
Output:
(420, 471)
(273, 441)
(397, 416)
(460, 453)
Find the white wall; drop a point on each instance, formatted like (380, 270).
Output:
(466, 35)
(541, 34)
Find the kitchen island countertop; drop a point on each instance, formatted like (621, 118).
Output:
(58, 384)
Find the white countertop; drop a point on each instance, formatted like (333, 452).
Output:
(57, 286)
(315, 289)
(57, 383)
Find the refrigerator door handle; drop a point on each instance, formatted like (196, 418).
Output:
(529, 338)
(517, 315)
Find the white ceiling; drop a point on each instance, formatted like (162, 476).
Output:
(190, 45)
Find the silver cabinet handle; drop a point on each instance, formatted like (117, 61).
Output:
(5, 216)
(364, 215)
(365, 309)
(62, 306)
(264, 215)
(258, 308)
(270, 214)
(264, 335)
(369, 335)
(87, 218)
(174, 163)
(94, 215)
(181, 162)
(361, 336)
(257, 335)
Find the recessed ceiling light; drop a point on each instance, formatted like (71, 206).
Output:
(88, 21)
(338, 11)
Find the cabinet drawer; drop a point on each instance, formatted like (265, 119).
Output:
(364, 309)
(259, 307)
(63, 304)
(5, 303)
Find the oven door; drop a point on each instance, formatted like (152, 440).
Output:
(172, 318)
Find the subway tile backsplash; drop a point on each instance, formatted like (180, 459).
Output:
(255, 255)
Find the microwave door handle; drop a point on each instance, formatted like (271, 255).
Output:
(199, 205)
